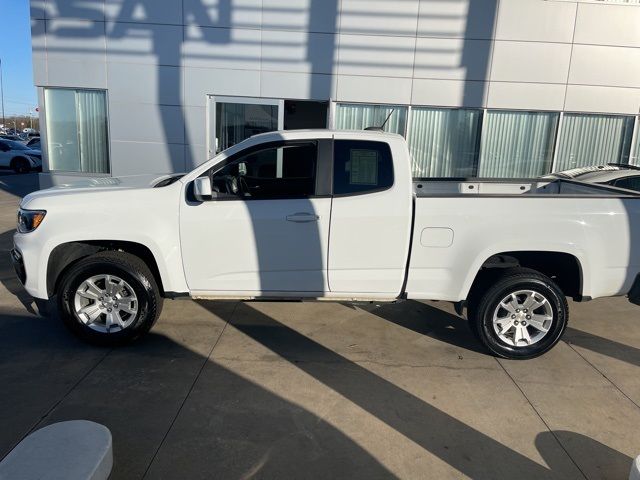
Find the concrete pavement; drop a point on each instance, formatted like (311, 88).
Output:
(320, 390)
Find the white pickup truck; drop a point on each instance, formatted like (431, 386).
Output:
(330, 215)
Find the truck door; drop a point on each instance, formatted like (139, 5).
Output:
(267, 233)
(370, 219)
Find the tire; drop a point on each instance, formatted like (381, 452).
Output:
(501, 327)
(20, 165)
(127, 277)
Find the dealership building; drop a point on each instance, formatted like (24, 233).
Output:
(488, 88)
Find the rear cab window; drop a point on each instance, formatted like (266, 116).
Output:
(361, 167)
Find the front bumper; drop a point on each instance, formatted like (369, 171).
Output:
(26, 257)
(18, 265)
(634, 293)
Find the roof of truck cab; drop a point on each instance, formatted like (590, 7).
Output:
(322, 133)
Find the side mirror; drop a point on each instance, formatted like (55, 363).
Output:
(202, 189)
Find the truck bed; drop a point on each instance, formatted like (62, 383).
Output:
(460, 224)
(500, 187)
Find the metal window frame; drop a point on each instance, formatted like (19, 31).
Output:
(556, 142)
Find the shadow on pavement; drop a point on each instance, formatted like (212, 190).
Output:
(137, 391)
(603, 346)
(440, 325)
(239, 428)
(466, 449)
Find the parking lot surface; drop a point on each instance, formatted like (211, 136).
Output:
(322, 390)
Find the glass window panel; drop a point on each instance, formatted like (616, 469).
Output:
(444, 142)
(593, 140)
(358, 117)
(361, 167)
(635, 150)
(277, 172)
(238, 121)
(77, 139)
(517, 144)
(630, 183)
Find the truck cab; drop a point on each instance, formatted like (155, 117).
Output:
(327, 217)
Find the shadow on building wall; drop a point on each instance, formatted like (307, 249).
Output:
(463, 21)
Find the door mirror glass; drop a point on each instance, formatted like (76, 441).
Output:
(202, 189)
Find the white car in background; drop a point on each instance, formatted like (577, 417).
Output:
(619, 175)
(19, 157)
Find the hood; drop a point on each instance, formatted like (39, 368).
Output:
(101, 184)
(129, 181)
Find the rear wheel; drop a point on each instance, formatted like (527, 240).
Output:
(20, 165)
(109, 298)
(521, 314)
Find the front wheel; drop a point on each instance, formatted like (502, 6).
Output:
(109, 298)
(521, 315)
(20, 165)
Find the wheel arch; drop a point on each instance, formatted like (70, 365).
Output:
(65, 255)
(564, 268)
(17, 157)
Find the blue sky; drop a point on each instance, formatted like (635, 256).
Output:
(15, 52)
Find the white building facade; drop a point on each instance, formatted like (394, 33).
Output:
(489, 88)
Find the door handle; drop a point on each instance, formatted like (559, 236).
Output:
(302, 217)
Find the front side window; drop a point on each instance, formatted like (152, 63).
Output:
(278, 172)
(361, 167)
(76, 122)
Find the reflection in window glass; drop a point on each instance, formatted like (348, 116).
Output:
(236, 122)
(359, 117)
(444, 142)
(517, 144)
(593, 140)
(76, 123)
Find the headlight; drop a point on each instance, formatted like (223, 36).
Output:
(29, 220)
